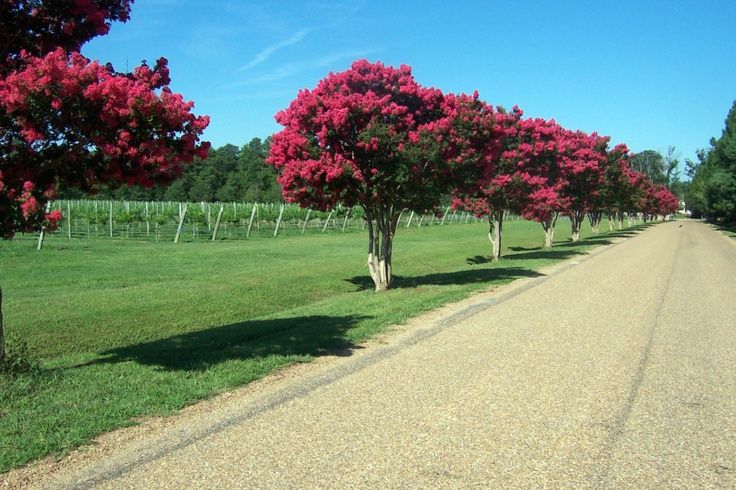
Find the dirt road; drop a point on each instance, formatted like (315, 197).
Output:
(618, 371)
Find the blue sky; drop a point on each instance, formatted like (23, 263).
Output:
(647, 73)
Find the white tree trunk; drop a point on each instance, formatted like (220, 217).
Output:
(380, 272)
(549, 231)
(595, 222)
(381, 230)
(576, 221)
(495, 233)
(549, 237)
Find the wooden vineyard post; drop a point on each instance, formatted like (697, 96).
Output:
(217, 222)
(306, 220)
(411, 217)
(43, 229)
(110, 220)
(345, 223)
(278, 221)
(181, 223)
(327, 221)
(69, 219)
(431, 222)
(398, 220)
(250, 223)
(421, 218)
(444, 216)
(148, 223)
(452, 218)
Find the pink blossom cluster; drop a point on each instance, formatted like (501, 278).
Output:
(369, 135)
(67, 120)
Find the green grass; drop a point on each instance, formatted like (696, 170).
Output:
(728, 230)
(125, 329)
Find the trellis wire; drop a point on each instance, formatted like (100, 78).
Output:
(161, 220)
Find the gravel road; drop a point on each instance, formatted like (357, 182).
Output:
(614, 371)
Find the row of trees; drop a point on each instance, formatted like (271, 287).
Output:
(712, 189)
(232, 174)
(373, 137)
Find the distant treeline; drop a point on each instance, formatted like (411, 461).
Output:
(229, 174)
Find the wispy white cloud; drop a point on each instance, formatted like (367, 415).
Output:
(267, 52)
(291, 69)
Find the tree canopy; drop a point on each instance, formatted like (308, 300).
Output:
(69, 121)
(712, 191)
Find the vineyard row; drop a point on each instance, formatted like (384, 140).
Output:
(165, 221)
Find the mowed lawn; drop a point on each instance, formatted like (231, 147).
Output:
(124, 329)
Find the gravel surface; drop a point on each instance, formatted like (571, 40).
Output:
(612, 371)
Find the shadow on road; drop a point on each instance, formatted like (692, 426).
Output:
(561, 250)
(197, 351)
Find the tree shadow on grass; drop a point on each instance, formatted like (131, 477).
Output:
(197, 351)
(468, 276)
(478, 260)
(557, 253)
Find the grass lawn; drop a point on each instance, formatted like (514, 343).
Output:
(728, 230)
(123, 329)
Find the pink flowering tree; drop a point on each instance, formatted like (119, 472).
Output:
(372, 137)
(537, 154)
(656, 201)
(582, 169)
(66, 120)
(638, 199)
(667, 202)
(497, 186)
(615, 191)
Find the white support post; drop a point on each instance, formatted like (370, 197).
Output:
(345, 223)
(217, 222)
(252, 217)
(306, 220)
(278, 221)
(327, 221)
(181, 223)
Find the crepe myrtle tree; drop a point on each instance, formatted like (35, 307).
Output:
(667, 202)
(497, 186)
(369, 136)
(613, 163)
(66, 120)
(639, 199)
(614, 197)
(537, 153)
(657, 201)
(582, 167)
